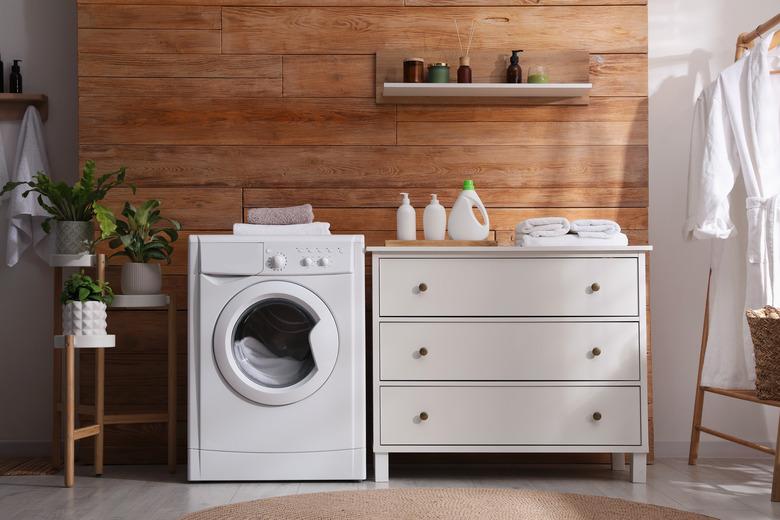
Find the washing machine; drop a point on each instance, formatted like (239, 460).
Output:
(276, 358)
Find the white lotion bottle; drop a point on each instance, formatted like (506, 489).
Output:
(434, 220)
(406, 220)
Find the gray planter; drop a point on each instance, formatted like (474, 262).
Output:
(73, 237)
(138, 278)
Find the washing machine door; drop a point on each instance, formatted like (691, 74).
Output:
(276, 343)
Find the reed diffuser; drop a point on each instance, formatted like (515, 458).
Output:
(464, 70)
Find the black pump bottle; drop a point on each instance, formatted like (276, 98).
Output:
(15, 83)
(514, 74)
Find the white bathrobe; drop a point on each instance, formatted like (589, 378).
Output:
(736, 130)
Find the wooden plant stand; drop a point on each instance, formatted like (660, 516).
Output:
(121, 303)
(73, 434)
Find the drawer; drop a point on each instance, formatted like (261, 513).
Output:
(501, 351)
(538, 415)
(508, 287)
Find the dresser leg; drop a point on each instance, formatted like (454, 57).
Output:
(618, 462)
(639, 468)
(381, 467)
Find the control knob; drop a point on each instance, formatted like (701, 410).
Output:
(324, 262)
(278, 262)
(307, 262)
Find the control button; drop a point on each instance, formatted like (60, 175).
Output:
(307, 262)
(278, 261)
(324, 262)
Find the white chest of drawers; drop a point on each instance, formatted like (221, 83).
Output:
(510, 350)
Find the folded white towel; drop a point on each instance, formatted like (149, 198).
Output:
(543, 227)
(314, 228)
(570, 240)
(25, 215)
(595, 228)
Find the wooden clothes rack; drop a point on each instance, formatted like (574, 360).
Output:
(744, 42)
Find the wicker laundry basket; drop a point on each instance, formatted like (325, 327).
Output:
(765, 331)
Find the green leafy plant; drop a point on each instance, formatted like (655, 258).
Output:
(64, 202)
(143, 235)
(81, 288)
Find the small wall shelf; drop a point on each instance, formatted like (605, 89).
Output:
(569, 70)
(12, 106)
(487, 90)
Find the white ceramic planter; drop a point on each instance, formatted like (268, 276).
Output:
(138, 278)
(84, 319)
(73, 237)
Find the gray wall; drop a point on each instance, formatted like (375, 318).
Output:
(43, 34)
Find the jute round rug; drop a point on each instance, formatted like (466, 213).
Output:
(449, 504)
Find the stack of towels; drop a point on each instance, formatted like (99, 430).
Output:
(294, 220)
(558, 231)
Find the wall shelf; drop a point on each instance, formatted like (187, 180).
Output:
(568, 69)
(487, 90)
(12, 106)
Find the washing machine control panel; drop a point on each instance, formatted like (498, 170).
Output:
(309, 258)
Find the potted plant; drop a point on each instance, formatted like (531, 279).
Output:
(144, 235)
(84, 306)
(71, 207)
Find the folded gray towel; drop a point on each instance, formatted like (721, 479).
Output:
(302, 214)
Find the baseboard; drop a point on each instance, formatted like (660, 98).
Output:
(708, 449)
(663, 449)
(25, 448)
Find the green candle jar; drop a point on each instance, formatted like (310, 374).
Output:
(438, 73)
(538, 74)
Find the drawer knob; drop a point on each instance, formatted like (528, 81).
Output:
(423, 351)
(596, 351)
(422, 287)
(596, 416)
(423, 416)
(595, 287)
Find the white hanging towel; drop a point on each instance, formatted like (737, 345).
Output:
(25, 215)
(736, 131)
(4, 176)
(314, 228)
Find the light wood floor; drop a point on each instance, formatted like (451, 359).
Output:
(723, 488)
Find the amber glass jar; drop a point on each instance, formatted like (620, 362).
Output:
(414, 70)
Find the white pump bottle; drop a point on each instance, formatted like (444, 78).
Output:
(406, 220)
(435, 220)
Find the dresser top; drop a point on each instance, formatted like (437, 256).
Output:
(511, 249)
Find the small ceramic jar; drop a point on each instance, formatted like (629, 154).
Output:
(414, 70)
(438, 73)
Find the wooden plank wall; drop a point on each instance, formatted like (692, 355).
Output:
(219, 105)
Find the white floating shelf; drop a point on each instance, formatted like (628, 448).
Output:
(487, 90)
(139, 301)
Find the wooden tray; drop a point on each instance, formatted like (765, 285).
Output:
(440, 243)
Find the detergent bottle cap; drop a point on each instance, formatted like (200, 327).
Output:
(468, 184)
